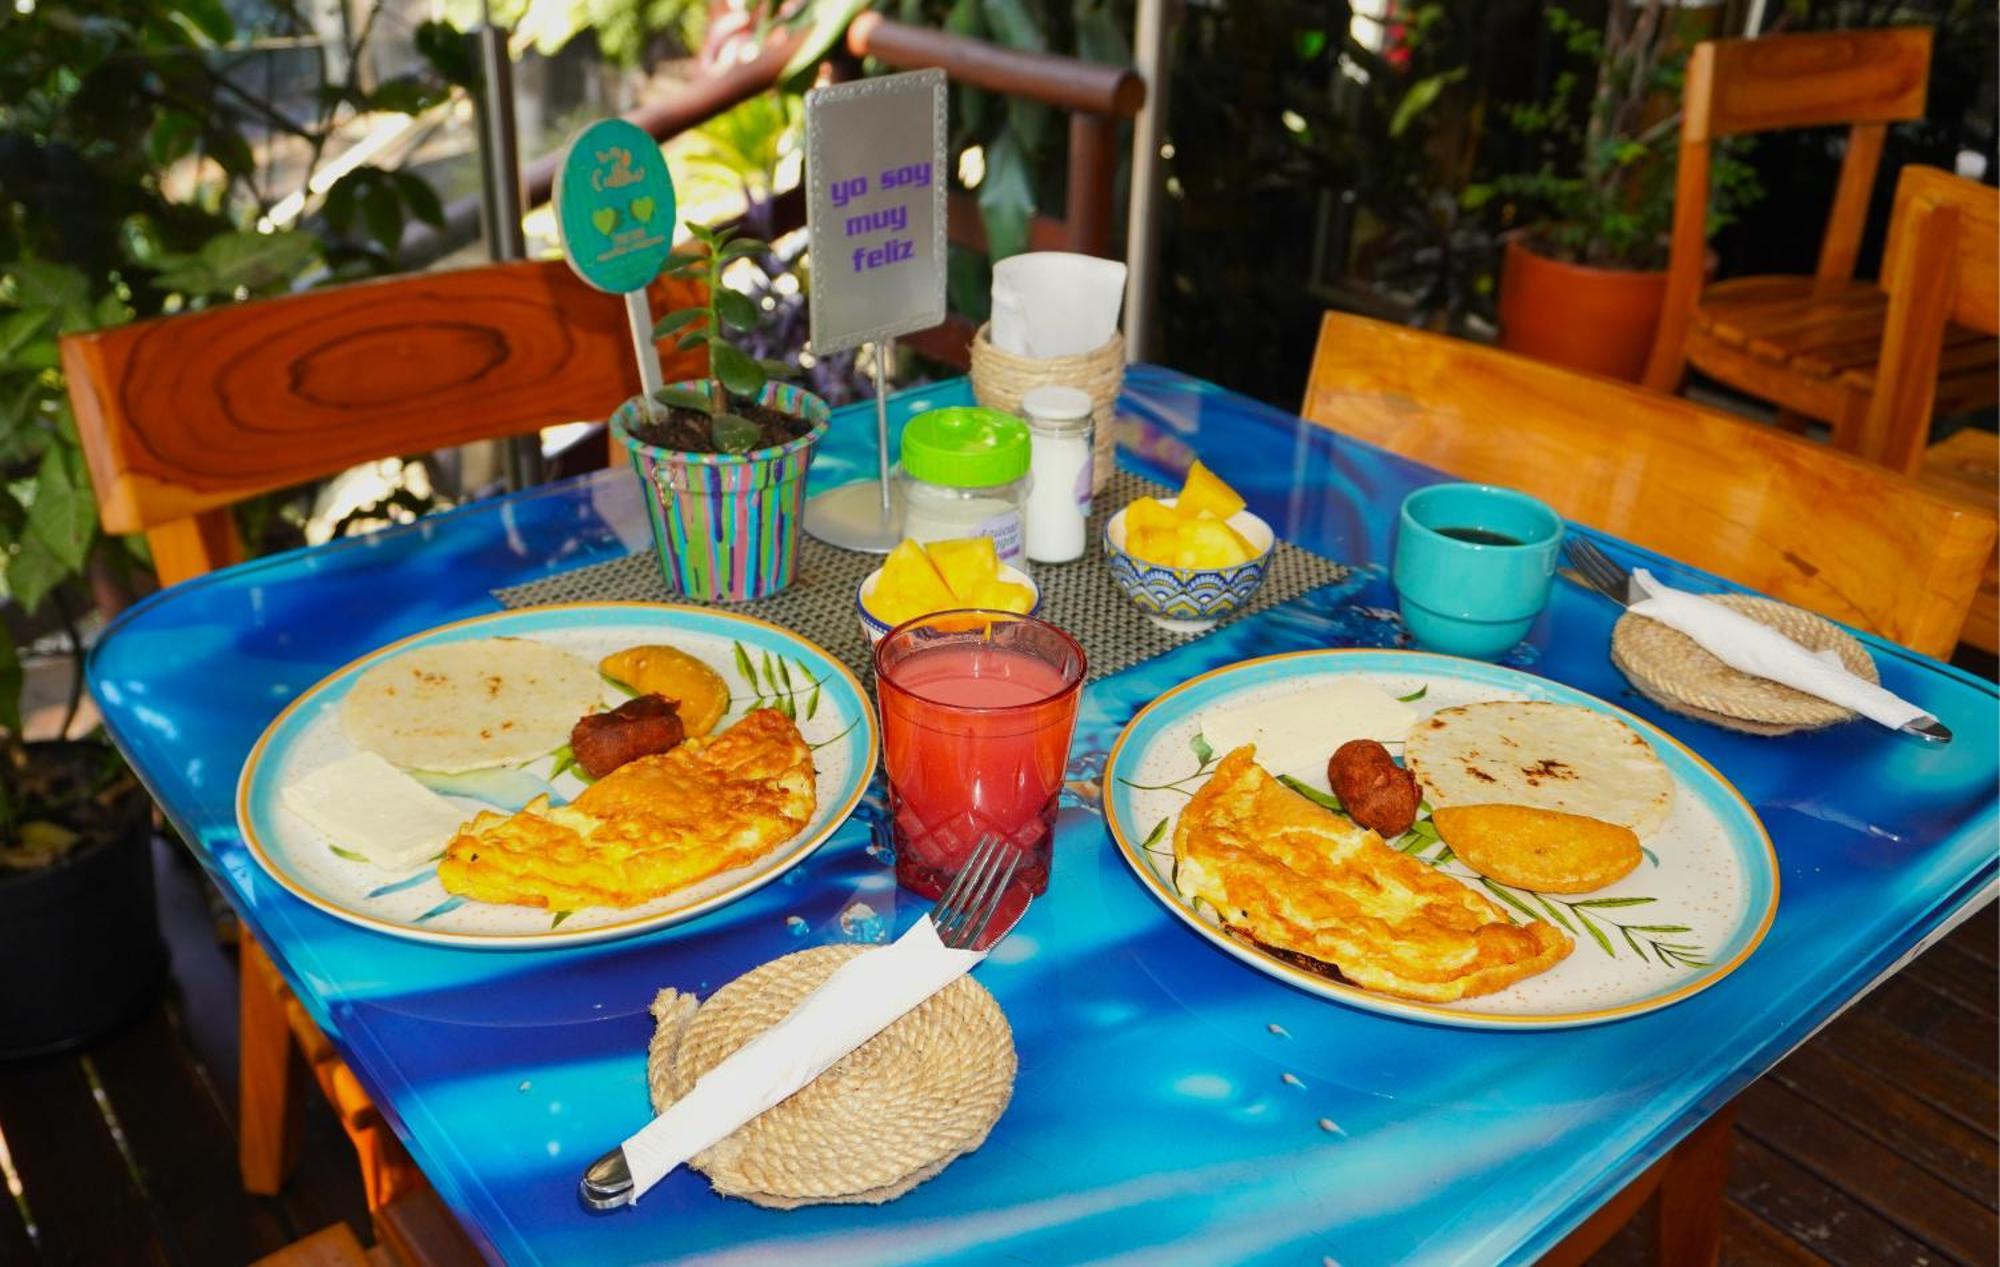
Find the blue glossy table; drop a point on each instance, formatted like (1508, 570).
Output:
(1153, 1119)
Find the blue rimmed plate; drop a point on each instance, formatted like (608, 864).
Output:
(762, 664)
(1694, 910)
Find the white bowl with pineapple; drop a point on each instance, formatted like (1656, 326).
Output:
(918, 579)
(1188, 561)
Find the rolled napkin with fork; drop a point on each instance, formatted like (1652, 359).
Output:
(863, 996)
(1749, 647)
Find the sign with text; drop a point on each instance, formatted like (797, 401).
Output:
(615, 206)
(875, 207)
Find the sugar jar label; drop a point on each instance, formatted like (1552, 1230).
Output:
(1084, 483)
(1005, 529)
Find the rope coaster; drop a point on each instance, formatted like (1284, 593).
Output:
(1081, 596)
(1675, 672)
(890, 1114)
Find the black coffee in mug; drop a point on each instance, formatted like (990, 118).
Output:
(1479, 536)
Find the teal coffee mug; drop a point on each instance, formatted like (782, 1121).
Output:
(1473, 566)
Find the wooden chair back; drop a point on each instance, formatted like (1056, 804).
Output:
(1940, 266)
(184, 415)
(1804, 523)
(1862, 80)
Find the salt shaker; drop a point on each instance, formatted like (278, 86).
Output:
(1059, 429)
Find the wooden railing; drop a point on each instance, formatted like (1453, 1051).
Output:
(1096, 96)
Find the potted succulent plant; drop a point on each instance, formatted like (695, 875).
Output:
(1582, 285)
(722, 460)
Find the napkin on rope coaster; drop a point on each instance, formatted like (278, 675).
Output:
(890, 1114)
(1081, 597)
(1748, 663)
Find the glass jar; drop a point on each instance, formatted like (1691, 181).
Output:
(1059, 430)
(965, 474)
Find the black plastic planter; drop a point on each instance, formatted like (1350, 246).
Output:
(80, 947)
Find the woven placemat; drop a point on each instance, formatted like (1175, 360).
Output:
(1081, 597)
(890, 1114)
(1674, 671)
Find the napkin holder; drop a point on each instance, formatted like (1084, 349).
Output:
(1000, 379)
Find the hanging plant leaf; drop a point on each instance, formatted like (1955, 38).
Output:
(733, 433)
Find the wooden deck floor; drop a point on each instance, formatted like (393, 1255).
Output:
(1873, 1144)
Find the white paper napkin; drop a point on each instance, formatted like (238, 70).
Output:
(862, 997)
(1055, 303)
(1761, 651)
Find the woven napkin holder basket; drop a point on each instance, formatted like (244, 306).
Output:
(1000, 379)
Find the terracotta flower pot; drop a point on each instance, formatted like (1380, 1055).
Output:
(1596, 319)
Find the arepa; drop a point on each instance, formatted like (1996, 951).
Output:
(470, 705)
(1549, 756)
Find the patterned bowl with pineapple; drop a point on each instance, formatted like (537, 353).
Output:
(916, 580)
(1188, 561)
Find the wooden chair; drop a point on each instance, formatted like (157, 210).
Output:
(182, 416)
(1940, 271)
(1805, 523)
(1807, 344)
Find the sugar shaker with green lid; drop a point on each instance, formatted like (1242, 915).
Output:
(965, 474)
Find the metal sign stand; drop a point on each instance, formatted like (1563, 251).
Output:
(875, 222)
(863, 516)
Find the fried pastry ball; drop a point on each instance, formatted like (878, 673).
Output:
(1376, 792)
(637, 728)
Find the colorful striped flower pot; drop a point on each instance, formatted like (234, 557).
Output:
(726, 525)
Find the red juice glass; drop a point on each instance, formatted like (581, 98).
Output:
(977, 712)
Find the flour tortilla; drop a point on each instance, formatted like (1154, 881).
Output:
(1550, 756)
(470, 705)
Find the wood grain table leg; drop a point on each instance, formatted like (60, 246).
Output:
(272, 1110)
(1688, 1228)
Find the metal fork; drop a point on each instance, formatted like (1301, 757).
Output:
(973, 898)
(1597, 569)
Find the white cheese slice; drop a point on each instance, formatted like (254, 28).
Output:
(1297, 733)
(365, 805)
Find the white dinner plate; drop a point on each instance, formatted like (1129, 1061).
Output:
(1709, 877)
(763, 665)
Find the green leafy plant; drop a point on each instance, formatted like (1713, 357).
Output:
(1603, 191)
(735, 374)
(143, 168)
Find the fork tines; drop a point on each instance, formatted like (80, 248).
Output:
(973, 897)
(1596, 567)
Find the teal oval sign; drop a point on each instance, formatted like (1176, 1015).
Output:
(615, 206)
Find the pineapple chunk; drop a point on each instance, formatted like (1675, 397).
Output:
(1204, 494)
(1003, 596)
(1210, 543)
(965, 564)
(909, 586)
(1149, 514)
(1153, 545)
